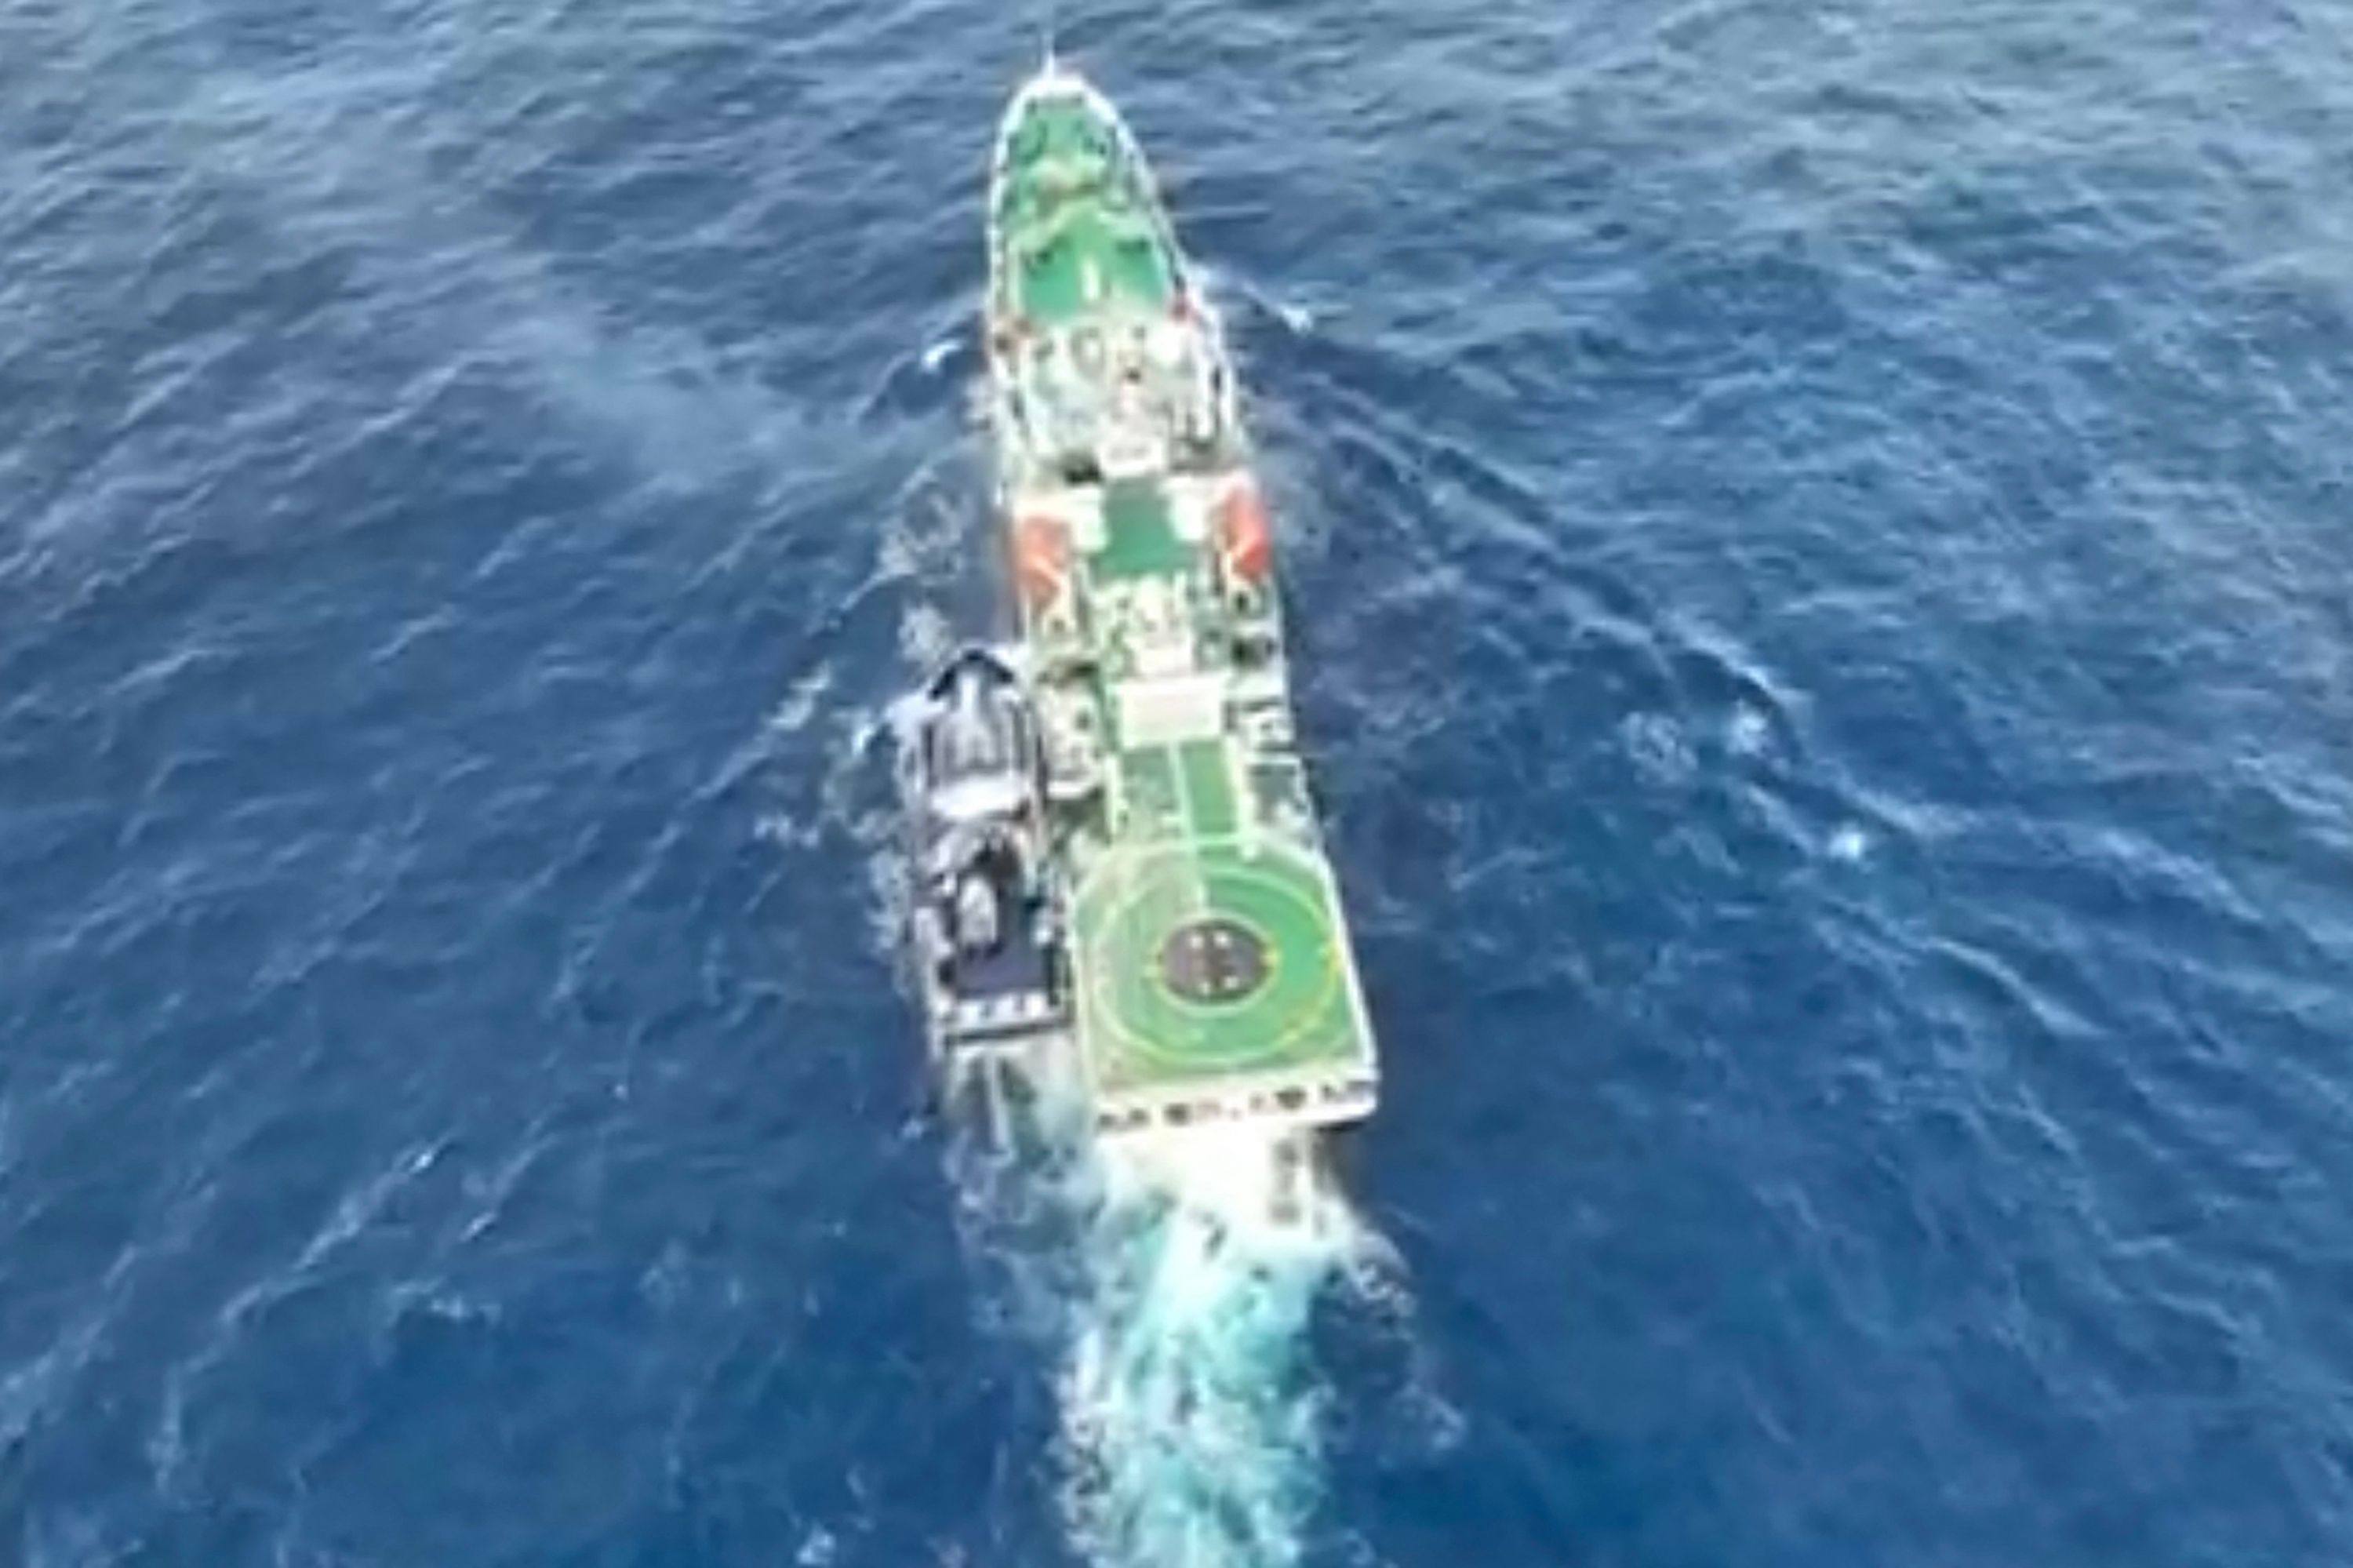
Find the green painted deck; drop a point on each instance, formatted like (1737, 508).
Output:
(1139, 1034)
(1139, 537)
(1208, 780)
(1181, 864)
(1077, 221)
(1149, 801)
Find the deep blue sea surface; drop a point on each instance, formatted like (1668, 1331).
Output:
(1817, 540)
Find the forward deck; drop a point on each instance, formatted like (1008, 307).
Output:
(1076, 216)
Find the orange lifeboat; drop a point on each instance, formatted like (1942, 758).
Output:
(1244, 534)
(1041, 556)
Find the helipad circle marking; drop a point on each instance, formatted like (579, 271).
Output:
(1140, 879)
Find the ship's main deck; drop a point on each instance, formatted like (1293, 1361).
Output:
(1209, 953)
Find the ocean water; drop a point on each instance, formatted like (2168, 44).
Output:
(1816, 540)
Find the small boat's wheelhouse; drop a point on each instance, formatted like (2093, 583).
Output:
(985, 927)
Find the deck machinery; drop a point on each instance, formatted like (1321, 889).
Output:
(1120, 882)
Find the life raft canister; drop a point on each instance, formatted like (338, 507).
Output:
(1041, 556)
(1244, 536)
